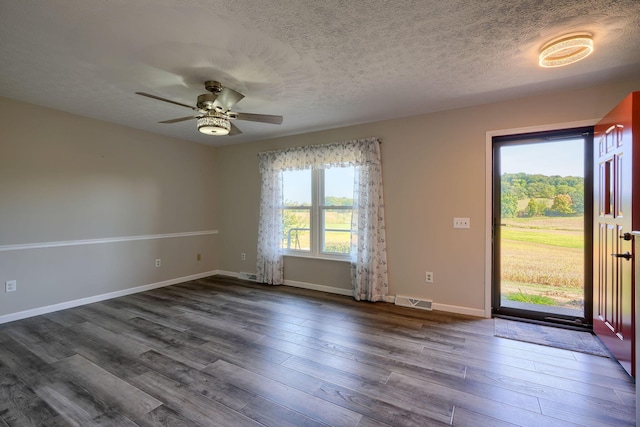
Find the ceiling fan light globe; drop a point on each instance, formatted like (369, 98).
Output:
(213, 130)
(214, 124)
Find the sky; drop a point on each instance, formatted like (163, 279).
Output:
(297, 184)
(564, 158)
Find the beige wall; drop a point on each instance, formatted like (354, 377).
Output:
(70, 178)
(433, 170)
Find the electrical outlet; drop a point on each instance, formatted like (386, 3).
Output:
(461, 223)
(243, 256)
(158, 262)
(428, 277)
(10, 286)
(198, 257)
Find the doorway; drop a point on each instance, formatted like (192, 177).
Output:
(542, 226)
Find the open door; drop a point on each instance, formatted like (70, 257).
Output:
(542, 215)
(616, 215)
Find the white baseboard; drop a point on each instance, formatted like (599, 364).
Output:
(97, 298)
(321, 288)
(293, 283)
(459, 310)
(228, 273)
(296, 284)
(391, 299)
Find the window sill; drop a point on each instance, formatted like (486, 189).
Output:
(320, 257)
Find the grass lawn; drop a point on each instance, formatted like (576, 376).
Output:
(563, 239)
(335, 241)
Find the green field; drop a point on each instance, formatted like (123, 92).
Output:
(334, 241)
(562, 239)
(543, 260)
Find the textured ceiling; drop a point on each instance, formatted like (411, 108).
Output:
(320, 64)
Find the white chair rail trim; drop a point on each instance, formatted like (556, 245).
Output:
(26, 246)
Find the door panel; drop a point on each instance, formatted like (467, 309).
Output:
(613, 287)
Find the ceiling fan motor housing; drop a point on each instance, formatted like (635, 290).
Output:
(206, 100)
(213, 86)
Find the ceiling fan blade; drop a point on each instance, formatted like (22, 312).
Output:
(227, 98)
(148, 95)
(181, 119)
(234, 130)
(263, 118)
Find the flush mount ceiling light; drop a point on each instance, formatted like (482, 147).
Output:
(566, 50)
(214, 123)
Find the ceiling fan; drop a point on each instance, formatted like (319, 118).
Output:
(214, 110)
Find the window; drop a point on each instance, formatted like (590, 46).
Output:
(317, 211)
(338, 186)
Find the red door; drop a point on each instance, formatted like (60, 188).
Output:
(615, 217)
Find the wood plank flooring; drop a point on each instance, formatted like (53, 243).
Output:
(224, 352)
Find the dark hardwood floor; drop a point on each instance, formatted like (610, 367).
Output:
(223, 352)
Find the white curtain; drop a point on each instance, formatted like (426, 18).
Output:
(368, 244)
(368, 241)
(270, 266)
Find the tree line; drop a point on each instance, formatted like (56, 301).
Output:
(548, 195)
